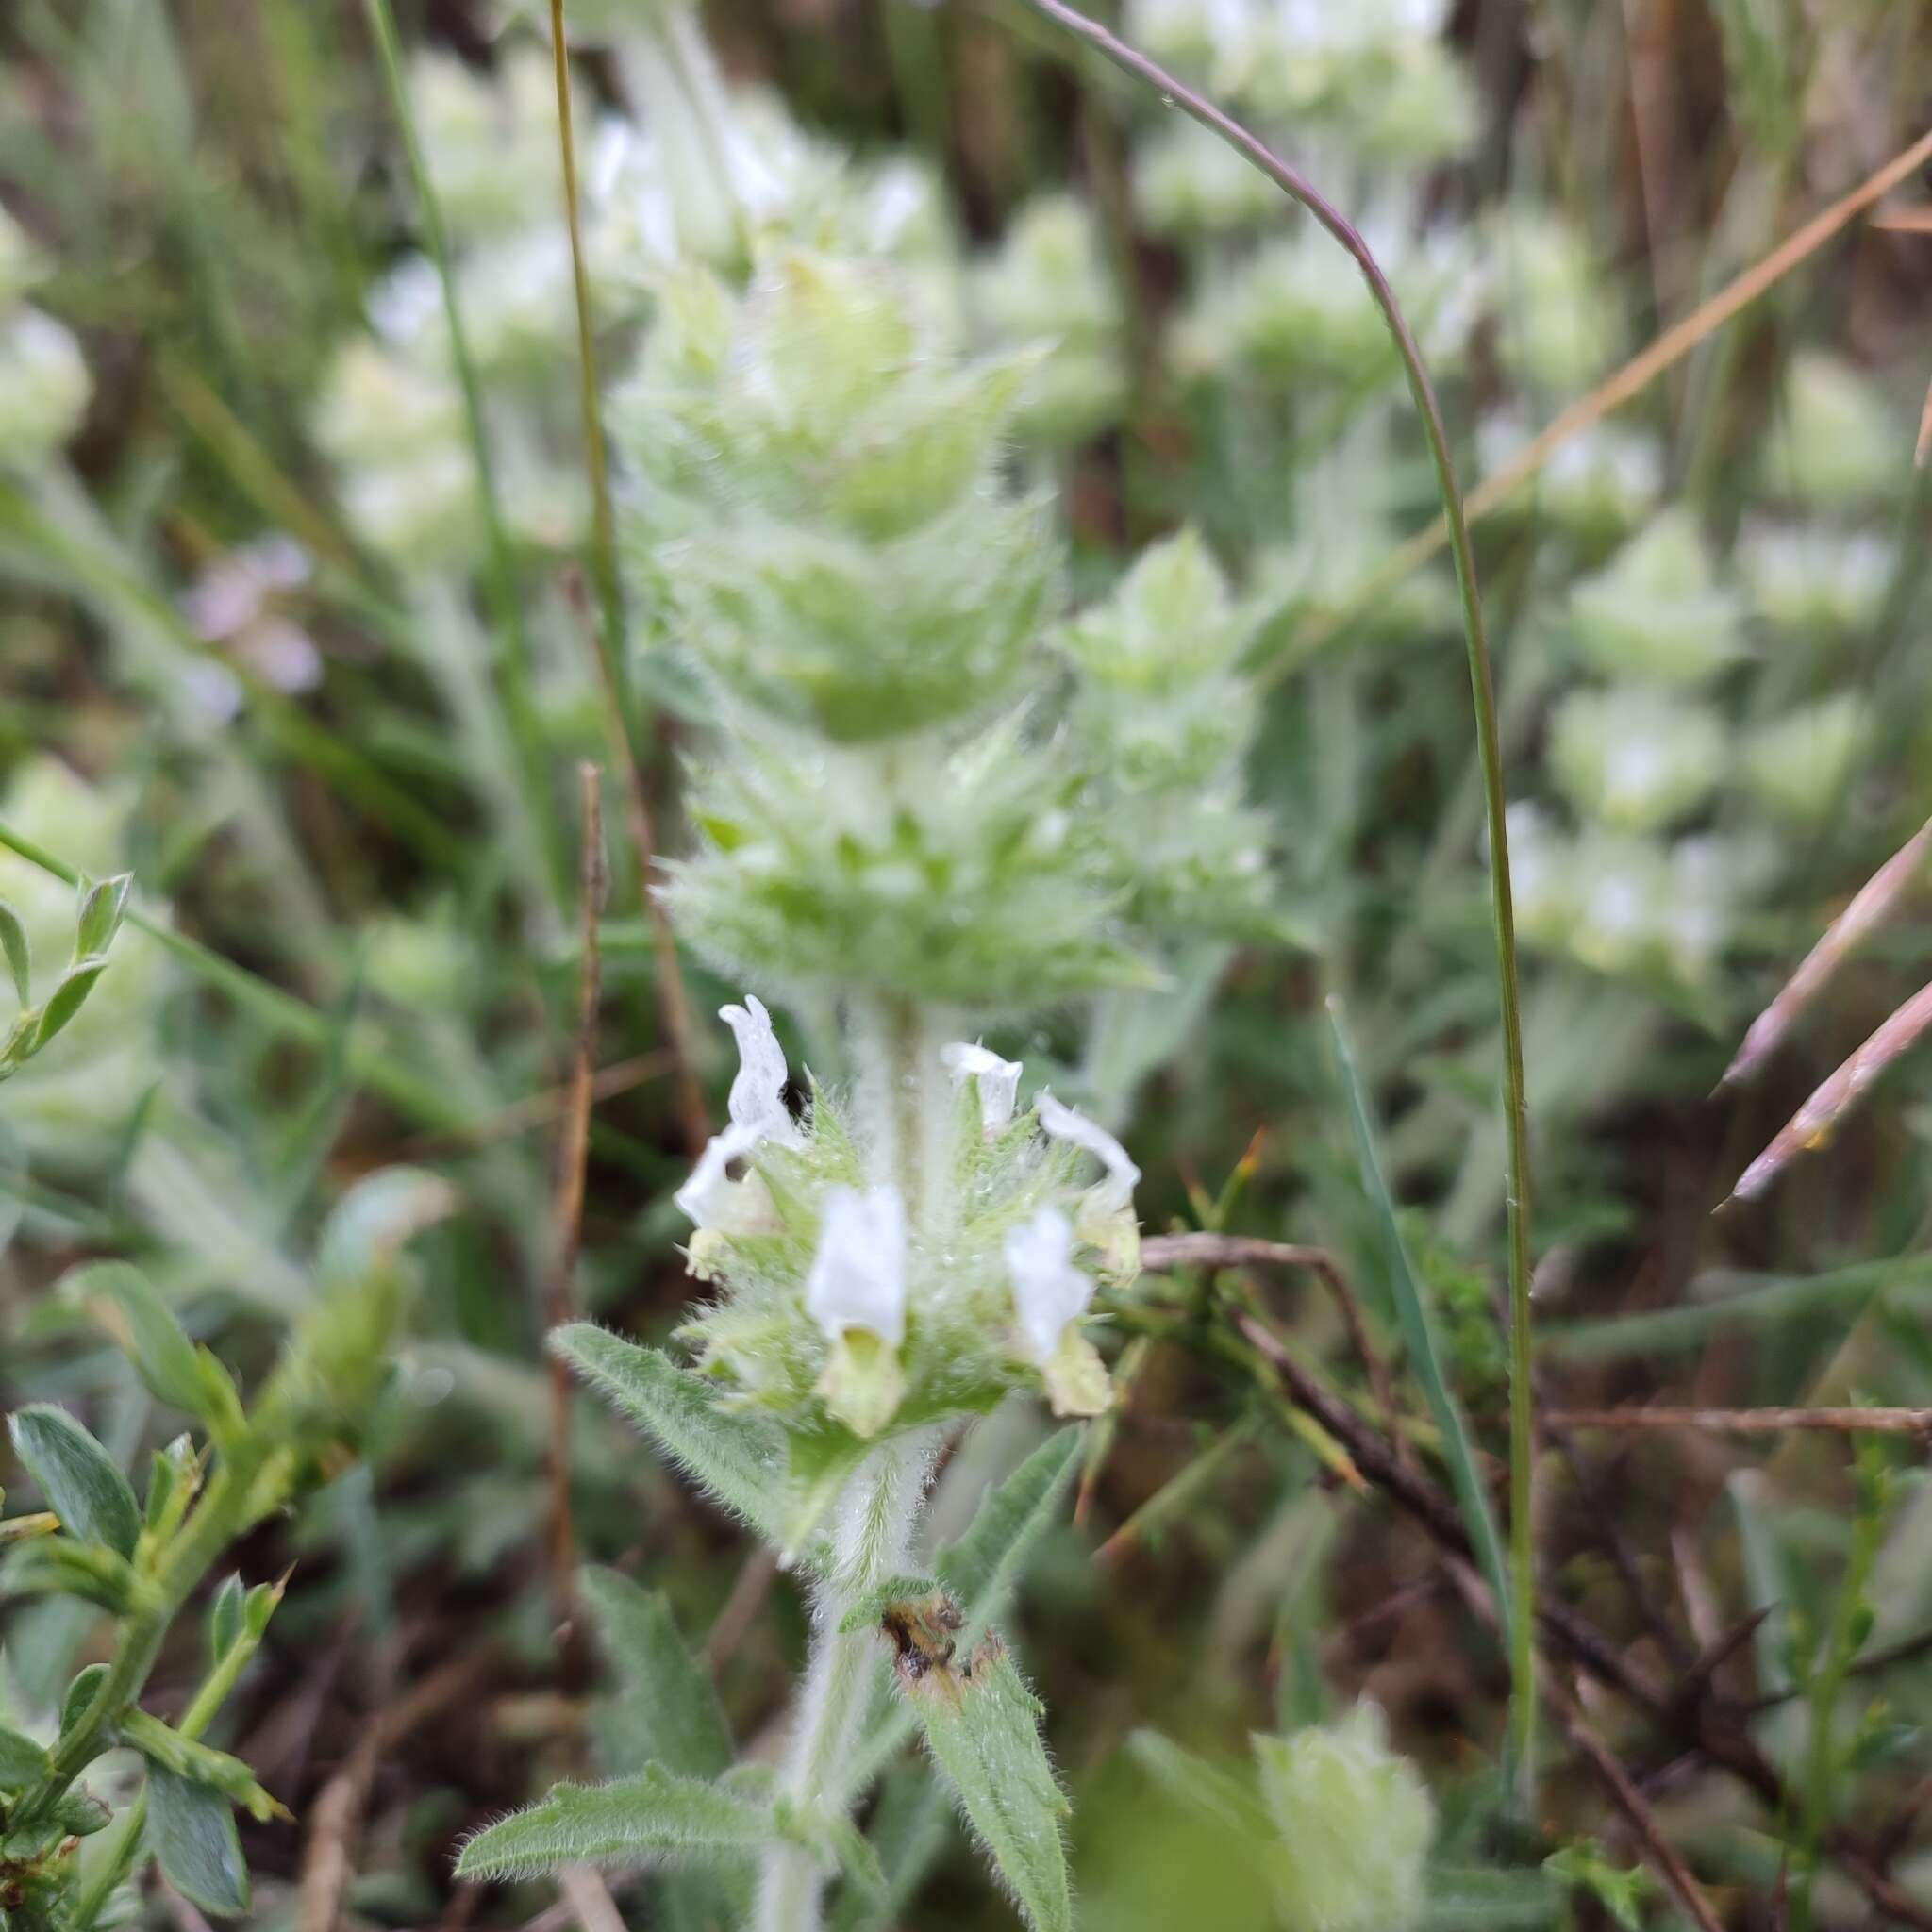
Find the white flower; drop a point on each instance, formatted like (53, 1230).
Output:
(858, 1278)
(1115, 1191)
(998, 1081)
(758, 1093)
(711, 1198)
(1048, 1290)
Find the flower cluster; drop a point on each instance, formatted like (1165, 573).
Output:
(910, 801)
(843, 1303)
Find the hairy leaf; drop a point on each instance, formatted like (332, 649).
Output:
(737, 1461)
(982, 1725)
(192, 1831)
(78, 1477)
(654, 1815)
(982, 1567)
(667, 1709)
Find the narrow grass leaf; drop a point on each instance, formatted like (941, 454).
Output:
(1419, 1337)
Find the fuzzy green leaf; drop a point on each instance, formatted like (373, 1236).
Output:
(13, 942)
(982, 1567)
(654, 1815)
(67, 999)
(22, 1761)
(667, 1708)
(192, 1831)
(982, 1725)
(127, 1305)
(102, 908)
(78, 1477)
(739, 1461)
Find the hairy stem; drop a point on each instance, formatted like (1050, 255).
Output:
(1521, 1610)
(871, 1534)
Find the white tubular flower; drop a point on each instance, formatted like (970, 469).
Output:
(1048, 1290)
(1050, 1295)
(758, 1093)
(1114, 1191)
(998, 1081)
(858, 1278)
(711, 1198)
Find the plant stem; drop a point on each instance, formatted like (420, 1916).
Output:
(871, 1535)
(518, 703)
(218, 1517)
(1482, 688)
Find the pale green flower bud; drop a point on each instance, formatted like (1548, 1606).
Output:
(1597, 486)
(1815, 579)
(1833, 440)
(1544, 879)
(1800, 764)
(420, 512)
(1554, 328)
(376, 406)
(1656, 611)
(1047, 286)
(1188, 182)
(44, 388)
(1419, 108)
(1355, 1823)
(490, 139)
(1635, 758)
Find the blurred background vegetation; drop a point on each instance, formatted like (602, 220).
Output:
(266, 643)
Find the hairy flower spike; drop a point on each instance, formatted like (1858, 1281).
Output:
(997, 1080)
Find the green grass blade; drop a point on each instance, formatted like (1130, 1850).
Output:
(1419, 1336)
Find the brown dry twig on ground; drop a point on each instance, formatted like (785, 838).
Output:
(334, 1820)
(1705, 1724)
(1206, 1250)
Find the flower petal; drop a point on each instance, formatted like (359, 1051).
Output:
(1048, 1290)
(998, 1080)
(1116, 1190)
(858, 1278)
(758, 1091)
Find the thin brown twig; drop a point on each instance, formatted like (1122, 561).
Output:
(1658, 1849)
(1870, 906)
(1635, 376)
(1210, 1250)
(567, 1202)
(1749, 1421)
(334, 1820)
(673, 1006)
(1718, 1733)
